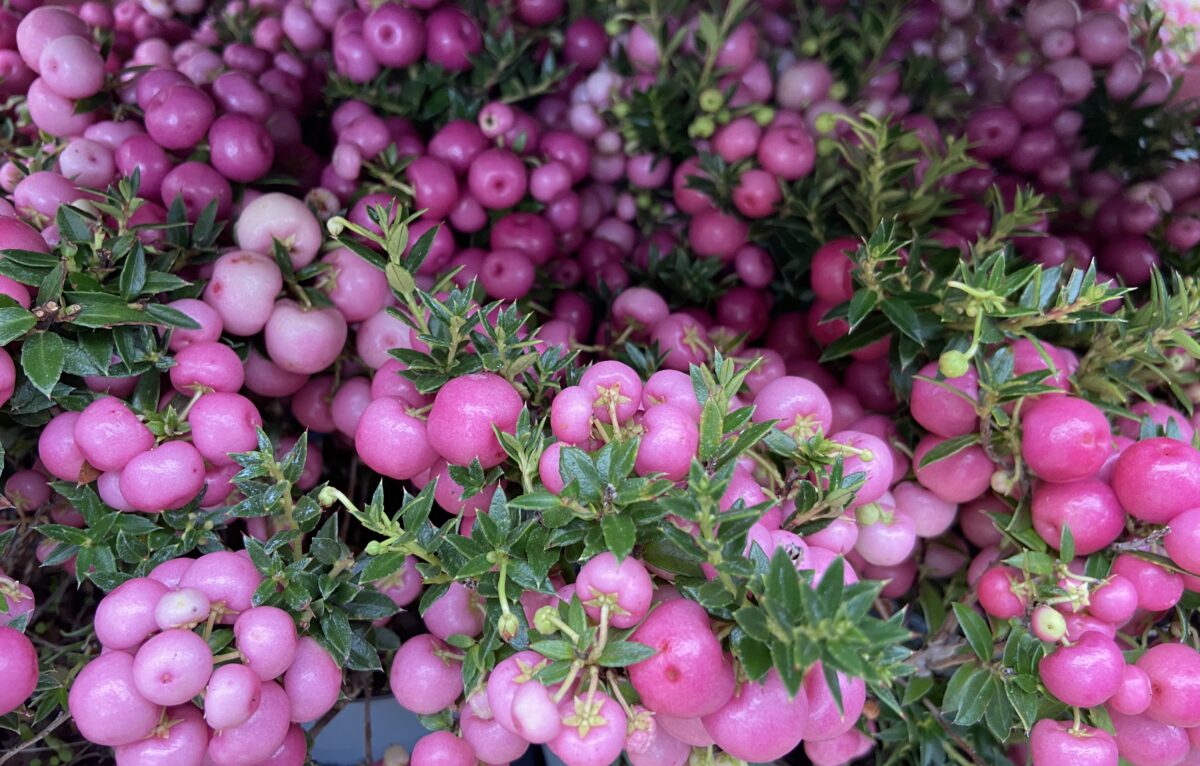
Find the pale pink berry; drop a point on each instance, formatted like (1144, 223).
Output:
(761, 722)
(106, 705)
(232, 696)
(18, 669)
(259, 736)
(593, 730)
(424, 677)
(172, 667)
(126, 616)
(184, 742)
(624, 587)
(266, 637)
(945, 406)
(312, 682)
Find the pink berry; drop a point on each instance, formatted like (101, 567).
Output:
(945, 406)
(281, 218)
(826, 719)
(689, 676)
(302, 339)
(266, 637)
(464, 413)
(1157, 588)
(228, 579)
(1064, 438)
(442, 748)
(1114, 601)
(593, 730)
(1182, 542)
(223, 424)
(761, 722)
(106, 705)
(960, 478)
(1157, 479)
(802, 409)
(393, 442)
(258, 737)
(1134, 695)
(1057, 743)
(624, 587)
(242, 289)
(312, 682)
(1086, 673)
(1142, 741)
(126, 616)
(1000, 594)
(18, 669)
(163, 478)
(669, 443)
(491, 742)
(172, 667)
(183, 608)
(1087, 506)
(184, 742)
(1174, 673)
(423, 677)
(231, 697)
(460, 610)
(109, 434)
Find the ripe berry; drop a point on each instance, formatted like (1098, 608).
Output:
(1085, 673)
(1174, 673)
(231, 697)
(1064, 438)
(464, 413)
(172, 667)
(106, 705)
(259, 737)
(1157, 479)
(312, 682)
(761, 722)
(689, 676)
(18, 669)
(1057, 743)
(266, 637)
(423, 677)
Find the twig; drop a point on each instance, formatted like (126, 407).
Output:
(370, 756)
(59, 721)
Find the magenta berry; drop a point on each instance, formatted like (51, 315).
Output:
(1055, 742)
(1000, 593)
(1157, 479)
(266, 637)
(1135, 693)
(945, 406)
(689, 676)
(464, 413)
(1085, 673)
(393, 442)
(1174, 673)
(624, 587)
(959, 478)
(1087, 506)
(1064, 438)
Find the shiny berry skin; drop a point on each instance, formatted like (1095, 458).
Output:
(18, 669)
(106, 705)
(1157, 479)
(1087, 506)
(1064, 438)
(1057, 743)
(1086, 673)
(464, 413)
(690, 676)
(760, 723)
(945, 406)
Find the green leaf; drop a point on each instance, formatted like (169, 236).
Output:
(974, 701)
(976, 630)
(711, 421)
(905, 318)
(624, 653)
(620, 534)
(861, 306)
(948, 448)
(577, 466)
(555, 649)
(336, 629)
(1066, 545)
(14, 323)
(133, 273)
(42, 359)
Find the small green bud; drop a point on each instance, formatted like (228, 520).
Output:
(1002, 482)
(711, 100)
(867, 514)
(702, 127)
(826, 146)
(620, 110)
(825, 123)
(508, 626)
(763, 116)
(838, 91)
(327, 497)
(543, 621)
(612, 27)
(724, 116)
(953, 364)
(810, 47)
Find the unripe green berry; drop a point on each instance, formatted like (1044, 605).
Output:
(543, 621)
(711, 100)
(953, 364)
(702, 127)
